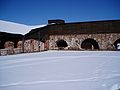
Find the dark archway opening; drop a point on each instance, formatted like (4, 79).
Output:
(61, 44)
(89, 44)
(116, 42)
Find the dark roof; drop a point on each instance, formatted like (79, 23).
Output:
(9, 37)
(90, 27)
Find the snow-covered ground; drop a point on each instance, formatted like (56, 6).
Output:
(11, 27)
(61, 70)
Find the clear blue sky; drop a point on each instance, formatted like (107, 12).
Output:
(32, 12)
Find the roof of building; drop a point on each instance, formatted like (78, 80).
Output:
(90, 27)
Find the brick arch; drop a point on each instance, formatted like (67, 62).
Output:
(89, 43)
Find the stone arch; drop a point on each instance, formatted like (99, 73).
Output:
(61, 44)
(20, 44)
(9, 44)
(89, 44)
(46, 45)
(31, 45)
(116, 42)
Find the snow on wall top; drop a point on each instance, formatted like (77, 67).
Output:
(11, 27)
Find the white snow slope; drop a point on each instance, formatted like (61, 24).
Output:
(61, 70)
(12, 27)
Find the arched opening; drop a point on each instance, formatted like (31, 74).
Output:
(89, 44)
(61, 44)
(9, 44)
(116, 44)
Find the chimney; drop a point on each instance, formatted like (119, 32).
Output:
(56, 21)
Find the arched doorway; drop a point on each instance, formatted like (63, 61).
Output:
(89, 44)
(61, 44)
(116, 43)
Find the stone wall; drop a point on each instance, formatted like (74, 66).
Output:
(105, 41)
(29, 45)
(74, 42)
(32, 45)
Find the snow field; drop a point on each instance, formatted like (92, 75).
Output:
(61, 70)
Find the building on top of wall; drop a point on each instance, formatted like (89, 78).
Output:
(58, 35)
(93, 35)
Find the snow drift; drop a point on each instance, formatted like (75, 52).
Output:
(16, 28)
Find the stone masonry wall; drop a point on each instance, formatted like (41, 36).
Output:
(105, 41)
(30, 45)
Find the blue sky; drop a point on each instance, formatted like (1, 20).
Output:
(34, 12)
